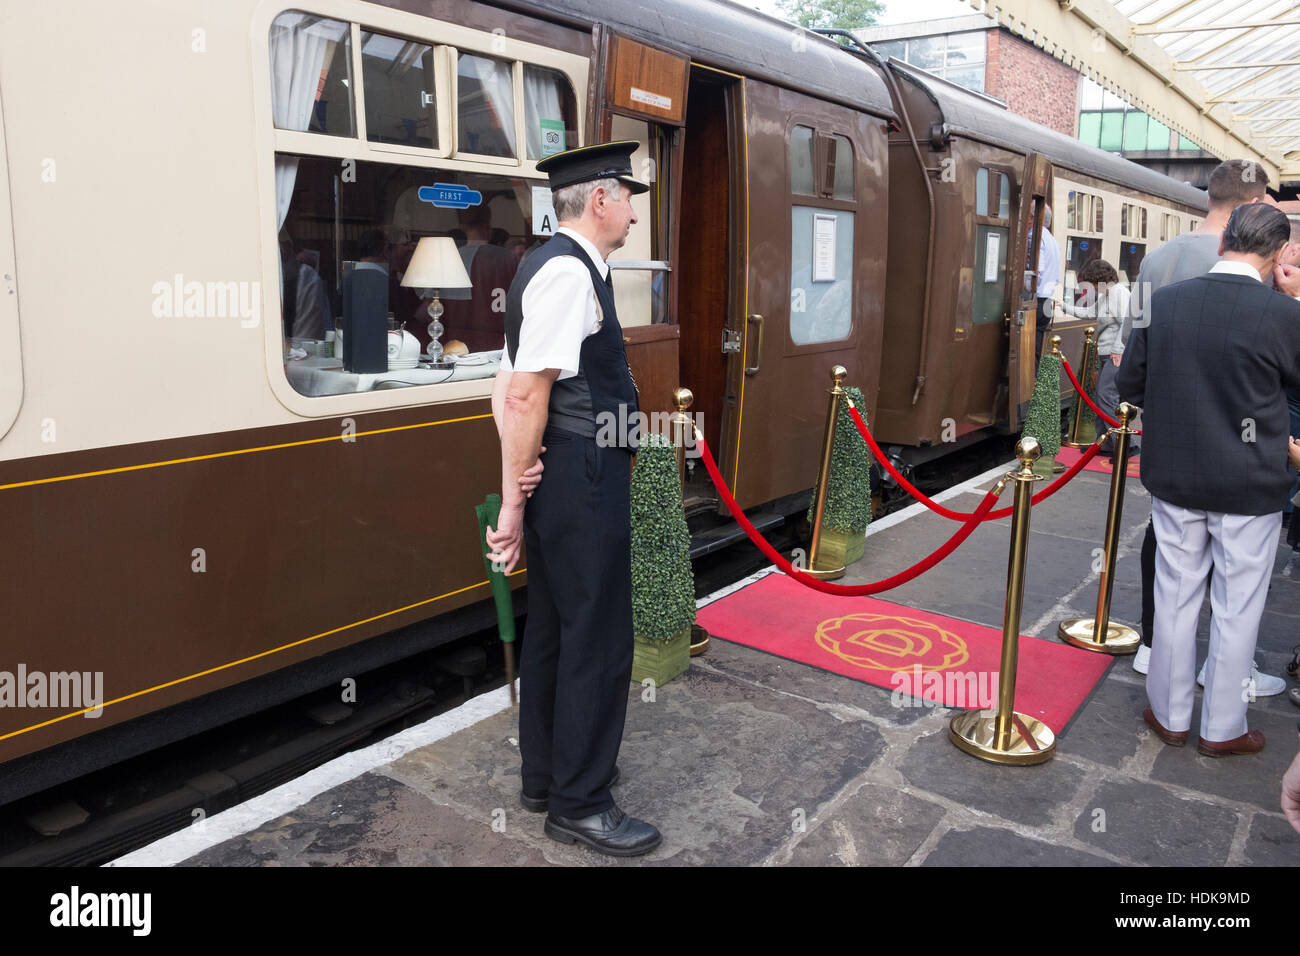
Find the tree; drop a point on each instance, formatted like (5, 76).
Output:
(832, 14)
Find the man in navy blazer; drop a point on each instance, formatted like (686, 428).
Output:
(1210, 372)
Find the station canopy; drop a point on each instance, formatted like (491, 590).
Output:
(1223, 73)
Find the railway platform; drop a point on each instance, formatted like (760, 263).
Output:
(753, 759)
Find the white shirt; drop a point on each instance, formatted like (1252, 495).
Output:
(1108, 311)
(1049, 266)
(1237, 268)
(560, 311)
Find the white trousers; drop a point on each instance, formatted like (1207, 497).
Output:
(1241, 549)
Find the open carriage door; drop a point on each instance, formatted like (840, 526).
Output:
(815, 251)
(1022, 303)
(640, 94)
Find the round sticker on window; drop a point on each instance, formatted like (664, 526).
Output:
(1084, 245)
(1132, 250)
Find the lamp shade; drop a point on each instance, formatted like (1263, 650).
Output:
(436, 264)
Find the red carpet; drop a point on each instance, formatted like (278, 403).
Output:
(1068, 456)
(913, 653)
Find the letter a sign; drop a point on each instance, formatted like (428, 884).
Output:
(544, 221)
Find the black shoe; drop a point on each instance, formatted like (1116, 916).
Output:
(613, 832)
(540, 804)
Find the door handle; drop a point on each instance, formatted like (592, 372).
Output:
(758, 351)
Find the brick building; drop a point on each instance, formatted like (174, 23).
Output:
(974, 52)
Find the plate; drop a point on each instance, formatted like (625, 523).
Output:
(472, 360)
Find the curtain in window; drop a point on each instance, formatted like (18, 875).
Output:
(497, 84)
(300, 47)
(542, 101)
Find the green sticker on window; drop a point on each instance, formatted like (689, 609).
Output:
(552, 137)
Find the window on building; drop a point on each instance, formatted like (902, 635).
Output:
(957, 57)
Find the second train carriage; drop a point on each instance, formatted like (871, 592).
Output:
(231, 524)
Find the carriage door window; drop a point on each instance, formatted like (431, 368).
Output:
(1132, 240)
(821, 239)
(992, 237)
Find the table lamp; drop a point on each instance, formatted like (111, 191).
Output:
(436, 264)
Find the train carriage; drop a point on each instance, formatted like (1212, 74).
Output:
(211, 508)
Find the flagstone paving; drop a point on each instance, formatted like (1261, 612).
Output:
(752, 759)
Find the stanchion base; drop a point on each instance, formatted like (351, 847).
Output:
(1030, 741)
(699, 640)
(825, 574)
(1076, 444)
(1120, 638)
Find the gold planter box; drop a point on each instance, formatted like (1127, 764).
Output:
(839, 549)
(661, 661)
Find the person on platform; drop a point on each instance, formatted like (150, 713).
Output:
(564, 368)
(1106, 303)
(1049, 280)
(1210, 370)
(1233, 183)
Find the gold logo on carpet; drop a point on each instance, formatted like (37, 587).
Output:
(886, 642)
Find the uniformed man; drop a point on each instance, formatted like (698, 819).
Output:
(564, 369)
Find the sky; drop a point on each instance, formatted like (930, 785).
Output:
(896, 11)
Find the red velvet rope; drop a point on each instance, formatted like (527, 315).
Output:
(845, 590)
(939, 509)
(1084, 395)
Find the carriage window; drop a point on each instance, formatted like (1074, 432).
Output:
(821, 275)
(843, 176)
(1130, 259)
(1004, 196)
(982, 192)
(311, 75)
(550, 113)
(400, 99)
(485, 106)
(342, 267)
(1097, 227)
(801, 162)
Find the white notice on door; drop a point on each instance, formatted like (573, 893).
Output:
(992, 257)
(823, 248)
(652, 99)
(544, 221)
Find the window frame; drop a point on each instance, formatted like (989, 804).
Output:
(270, 141)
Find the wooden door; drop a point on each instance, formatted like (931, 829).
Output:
(1022, 303)
(814, 248)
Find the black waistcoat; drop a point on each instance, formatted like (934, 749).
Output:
(602, 391)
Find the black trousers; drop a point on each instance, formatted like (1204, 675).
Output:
(1041, 325)
(576, 662)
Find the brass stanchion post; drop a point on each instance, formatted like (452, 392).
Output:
(682, 426)
(1002, 735)
(1099, 633)
(1085, 363)
(838, 374)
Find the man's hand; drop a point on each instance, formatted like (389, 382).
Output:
(505, 541)
(532, 476)
(1287, 279)
(1293, 452)
(1291, 793)
(1116, 358)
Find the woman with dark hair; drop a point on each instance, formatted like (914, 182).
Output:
(1104, 298)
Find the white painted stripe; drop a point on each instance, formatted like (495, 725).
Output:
(250, 815)
(913, 510)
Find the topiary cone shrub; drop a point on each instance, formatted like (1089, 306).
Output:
(848, 491)
(1043, 420)
(663, 585)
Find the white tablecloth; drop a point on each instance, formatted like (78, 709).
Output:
(317, 375)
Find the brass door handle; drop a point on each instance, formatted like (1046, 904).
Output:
(758, 351)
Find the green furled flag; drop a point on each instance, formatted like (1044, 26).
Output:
(1043, 420)
(663, 586)
(848, 490)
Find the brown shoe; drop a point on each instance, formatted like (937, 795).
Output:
(1174, 738)
(1251, 742)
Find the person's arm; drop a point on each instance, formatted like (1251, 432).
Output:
(1119, 303)
(523, 419)
(532, 476)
